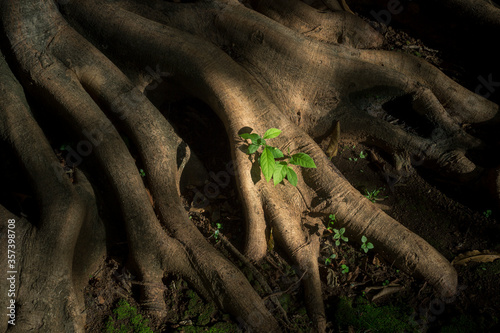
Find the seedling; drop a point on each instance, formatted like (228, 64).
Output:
(373, 195)
(385, 283)
(218, 227)
(338, 235)
(328, 260)
(331, 222)
(345, 269)
(273, 162)
(142, 173)
(355, 159)
(487, 213)
(362, 154)
(366, 246)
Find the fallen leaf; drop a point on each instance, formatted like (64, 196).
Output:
(475, 256)
(332, 279)
(376, 261)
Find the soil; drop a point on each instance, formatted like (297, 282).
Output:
(362, 292)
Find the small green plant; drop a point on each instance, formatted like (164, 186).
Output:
(353, 159)
(142, 173)
(373, 195)
(218, 227)
(328, 260)
(331, 221)
(126, 319)
(344, 269)
(366, 246)
(385, 283)
(487, 213)
(362, 155)
(272, 160)
(338, 235)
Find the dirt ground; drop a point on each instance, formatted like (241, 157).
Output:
(363, 293)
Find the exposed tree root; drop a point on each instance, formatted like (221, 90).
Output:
(298, 72)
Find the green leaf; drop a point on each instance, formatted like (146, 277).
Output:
(259, 141)
(271, 133)
(278, 173)
(267, 163)
(369, 245)
(303, 160)
(252, 148)
(291, 176)
(249, 136)
(284, 169)
(363, 239)
(276, 152)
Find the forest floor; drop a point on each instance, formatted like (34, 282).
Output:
(362, 292)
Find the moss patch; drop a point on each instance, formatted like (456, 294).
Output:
(365, 316)
(126, 319)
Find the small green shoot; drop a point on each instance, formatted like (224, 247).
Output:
(345, 268)
(366, 246)
(272, 160)
(142, 173)
(353, 159)
(218, 227)
(339, 235)
(328, 260)
(385, 283)
(331, 222)
(362, 155)
(373, 195)
(487, 213)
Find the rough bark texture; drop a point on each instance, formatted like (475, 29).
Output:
(276, 64)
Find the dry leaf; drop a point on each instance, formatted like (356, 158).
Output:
(475, 256)
(332, 279)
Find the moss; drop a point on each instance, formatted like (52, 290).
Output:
(220, 327)
(285, 301)
(365, 316)
(223, 328)
(126, 319)
(197, 310)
